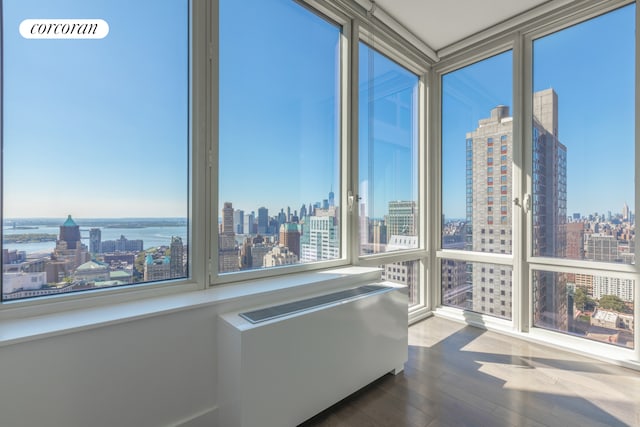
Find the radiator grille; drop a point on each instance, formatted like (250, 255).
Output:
(264, 314)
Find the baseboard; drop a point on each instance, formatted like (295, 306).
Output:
(206, 418)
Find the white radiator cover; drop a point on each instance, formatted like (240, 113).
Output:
(283, 371)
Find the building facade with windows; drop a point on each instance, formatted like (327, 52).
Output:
(489, 157)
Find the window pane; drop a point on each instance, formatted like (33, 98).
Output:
(279, 142)
(598, 307)
(480, 287)
(388, 154)
(476, 178)
(584, 141)
(95, 163)
(405, 273)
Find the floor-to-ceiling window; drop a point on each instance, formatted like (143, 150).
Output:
(388, 205)
(538, 191)
(477, 187)
(582, 154)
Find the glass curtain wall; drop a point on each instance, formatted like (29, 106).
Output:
(477, 185)
(583, 174)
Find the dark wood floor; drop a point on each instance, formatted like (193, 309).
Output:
(463, 376)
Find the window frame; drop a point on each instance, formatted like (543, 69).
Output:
(522, 32)
(199, 15)
(459, 61)
(422, 69)
(333, 16)
(543, 263)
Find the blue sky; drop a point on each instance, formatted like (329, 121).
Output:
(388, 148)
(97, 128)
(120, 106)
(591, 68)
(279, 115)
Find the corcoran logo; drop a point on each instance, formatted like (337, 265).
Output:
(64, 28)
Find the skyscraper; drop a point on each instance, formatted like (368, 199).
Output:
(249, 223)
(402, 219)
(238, 221)
(489, 155)
(68, 254)
(263, 220)
(290, 237)
(320, 239)
(176, 263)
(626, 212)
(228, 259)
(95, 240)
(575, 240)
(70, 233)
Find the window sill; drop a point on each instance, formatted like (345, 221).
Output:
(14, 331)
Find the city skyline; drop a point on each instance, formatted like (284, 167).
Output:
(471, 92)
(61, 77)
(291, 148)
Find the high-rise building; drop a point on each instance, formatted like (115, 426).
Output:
(290, 237)
(176, 263)
(601, 247)
(457, 290)
(619, 287)
(263, 220)
(228, 259)
(259, 249)
(378, 235)
(402, 219)
(282, 217)
(585, 282)
(246, 260)
(403, 272)
(121, 245)
(249, 223)
(320, 239)
(95, 241)
(489, 155)
(575, 240)
(626, 212)
(70, 233)
(549, 177)
(68, 254)
(365, 232)
(157, 269)
(238, 221)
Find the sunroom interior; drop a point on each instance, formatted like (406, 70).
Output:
(459, 152)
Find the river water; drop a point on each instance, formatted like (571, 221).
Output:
(150, 236)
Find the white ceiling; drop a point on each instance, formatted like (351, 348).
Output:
(439, 23)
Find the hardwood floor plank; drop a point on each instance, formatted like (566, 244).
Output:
(458, 375)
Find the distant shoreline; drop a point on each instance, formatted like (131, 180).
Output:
(131, 223)
(29, 238)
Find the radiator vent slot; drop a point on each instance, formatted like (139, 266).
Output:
(269, 313)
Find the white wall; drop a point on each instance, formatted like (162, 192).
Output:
(159, 370)
(151, 372)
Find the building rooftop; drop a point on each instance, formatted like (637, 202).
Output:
(69, 222)
(91, 265)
